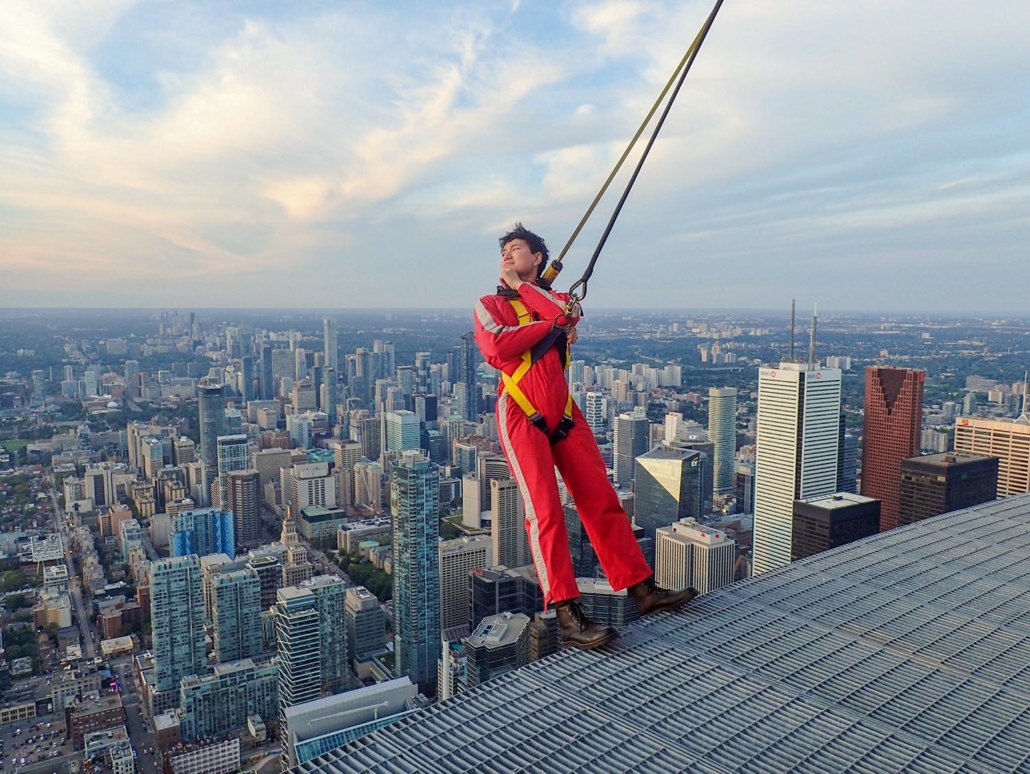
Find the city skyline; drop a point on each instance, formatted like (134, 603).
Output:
(227, 156)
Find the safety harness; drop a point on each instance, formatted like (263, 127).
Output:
(529, 358)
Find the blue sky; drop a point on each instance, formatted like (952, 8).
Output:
(866, 155)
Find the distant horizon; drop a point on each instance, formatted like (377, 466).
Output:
(801, 316)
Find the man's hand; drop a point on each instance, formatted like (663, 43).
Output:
(573, 335)
(510, 278)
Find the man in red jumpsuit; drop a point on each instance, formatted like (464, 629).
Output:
(508, 325)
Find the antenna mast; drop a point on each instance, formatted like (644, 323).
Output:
(811, 343)
(790, 359)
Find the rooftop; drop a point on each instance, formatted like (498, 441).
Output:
(839, 500)
(905, 651)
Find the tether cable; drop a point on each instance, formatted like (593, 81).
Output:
(682, 69)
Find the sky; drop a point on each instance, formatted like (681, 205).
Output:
(867, 155)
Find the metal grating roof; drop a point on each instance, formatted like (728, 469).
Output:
(907, 651)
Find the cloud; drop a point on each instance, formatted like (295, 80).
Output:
(146, 147)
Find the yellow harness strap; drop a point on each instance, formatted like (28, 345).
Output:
(511, 383)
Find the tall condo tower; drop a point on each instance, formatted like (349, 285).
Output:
(330, 345)
(796, 455)
(211, 400)
(631, 440)
(722, 431)
(177, 620)
(891, 433)
(469, 360)
(414, 504)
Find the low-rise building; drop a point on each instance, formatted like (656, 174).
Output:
(88, 715)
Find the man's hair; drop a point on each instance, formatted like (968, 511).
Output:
(535, 243)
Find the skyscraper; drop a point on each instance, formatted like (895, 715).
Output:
(722, 431)
(236, 614)
(891, 433)
(796, 455)
(508, 524)
(822, 523)
(243, 492)
(366, 622)
(177, 620)
(211, 409)
(668, 487)
(414, 503)
(267, 380)
(402, 431)
(211, 400)
(247, 378)
(330, 594)
(458, 557)
(330, 346)
(203, 531)
(940, 483)
(631, 440)
(297, 642)
(467, 377)
(232, 453)
(422, 384)
(1006, 439)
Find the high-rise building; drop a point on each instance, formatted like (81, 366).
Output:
(668, 487)
(631, 440)
(232, 453)
(236, 614)
(177, 620)
(402, 431)
(508, 524)
(458, 557)
(596, 412)
(211, 400)
(269, 568)
(467, 377)
(415, 505)
(796, 454)
(330, 345)
(690, 554)
(891, 432)
(722, 431)
(247, 378)
(940, 483)
(366, 622)
(822, 523)
(297, 643)
(220, 703)
(498, 645)
(330, 594)
(203, 531)
(243, 490)
(267, 376)
(422, 384)
(499, 589)
(1006, 439)
(847, 460)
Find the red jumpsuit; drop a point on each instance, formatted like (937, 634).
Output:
(532, 457)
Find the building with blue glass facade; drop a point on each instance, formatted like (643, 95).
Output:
(203, 531)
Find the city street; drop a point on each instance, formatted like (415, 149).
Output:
(74, 585)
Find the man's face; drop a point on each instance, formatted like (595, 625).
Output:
(516, 255)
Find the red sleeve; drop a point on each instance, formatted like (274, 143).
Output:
(500, 342)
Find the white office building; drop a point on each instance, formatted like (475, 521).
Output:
(796, 452)
(690, 554)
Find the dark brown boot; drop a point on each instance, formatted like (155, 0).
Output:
(578, 631)
(651, 598)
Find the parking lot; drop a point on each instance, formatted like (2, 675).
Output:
(29, 742)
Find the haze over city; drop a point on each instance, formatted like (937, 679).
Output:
(871, 156)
